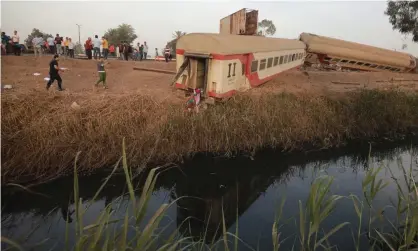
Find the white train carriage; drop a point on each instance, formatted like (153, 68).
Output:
(221, 65)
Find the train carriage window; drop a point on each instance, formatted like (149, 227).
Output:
(398, 70)
(262, 64)
(367, 64)
(380, 67)
(335, 60)
(269, 62)
(373, 66)
(276, 61)
(344, 61)
(352, 62)
(243, 69)
(233, 74)
(360, 63)
(229, 70)
(387, 68)
(327, 58)
(254, 66)
(293, 57)
(285, 59)
(281, 59)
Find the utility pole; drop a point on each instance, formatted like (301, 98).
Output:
(79, 40)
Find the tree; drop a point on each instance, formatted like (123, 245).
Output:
(124, 32)
(403, 15)
(36, 32)
(178, 34)
(266, 28)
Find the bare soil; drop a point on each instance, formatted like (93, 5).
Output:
(81, 76)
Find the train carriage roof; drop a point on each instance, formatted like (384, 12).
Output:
(234, 44)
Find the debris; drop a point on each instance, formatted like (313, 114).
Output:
(75, 106)
(345, 83)
(36, 74)
(210, 101)
(154, 70)
(7, 87)
(46, 79)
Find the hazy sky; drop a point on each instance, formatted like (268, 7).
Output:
(154, 22)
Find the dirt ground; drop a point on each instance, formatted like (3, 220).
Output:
(121, 78)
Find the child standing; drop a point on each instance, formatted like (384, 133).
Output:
(102, 73)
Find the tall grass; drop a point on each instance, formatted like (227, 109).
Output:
(134, 232)
(41, 134)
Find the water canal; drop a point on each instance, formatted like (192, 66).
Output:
(254, 186)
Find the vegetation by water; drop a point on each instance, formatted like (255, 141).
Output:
(106, 234)
(41, 134)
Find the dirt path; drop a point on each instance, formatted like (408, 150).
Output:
(81, 76)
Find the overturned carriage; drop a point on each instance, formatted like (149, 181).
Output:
(349, 55)
(221, 65)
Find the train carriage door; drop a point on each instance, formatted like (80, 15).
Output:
(195, 73)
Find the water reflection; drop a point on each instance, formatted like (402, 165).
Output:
(208, 187)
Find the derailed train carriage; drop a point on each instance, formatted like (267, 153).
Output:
(221, 65)
(326, 51)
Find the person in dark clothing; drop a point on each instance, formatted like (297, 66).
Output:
(89, 47)
(126, 51)
(53, 73)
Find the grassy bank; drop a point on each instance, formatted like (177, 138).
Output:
(41, 134)
(134, 231)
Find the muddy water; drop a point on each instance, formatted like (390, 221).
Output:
(254, 186)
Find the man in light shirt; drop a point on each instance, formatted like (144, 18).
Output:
(96, 47)
(145, 50)
(37, 43)
(71, 48)
(16, 45)
(51, 44)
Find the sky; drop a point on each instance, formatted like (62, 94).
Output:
(155, 21)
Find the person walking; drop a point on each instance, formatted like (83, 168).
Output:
(141, 52)
(37, 43)
(138, 51)
(54, 73)
(88, 46)
(102, 73)
(58, 44)
(167, 53)
(105, 46)
(51, 44)
(5, 41)
(71, 46)
(145, 50)
(16, 45)
(96, 47)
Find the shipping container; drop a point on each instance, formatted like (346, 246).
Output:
(242, 22)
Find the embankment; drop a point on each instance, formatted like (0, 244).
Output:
(41, 134)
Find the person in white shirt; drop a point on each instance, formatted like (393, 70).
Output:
(96, 47)
(16, 45)
(37, 43)
(71, 46)
(51, 44)
(145, 50)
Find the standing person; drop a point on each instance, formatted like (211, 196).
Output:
(141, 52)
(121, 45)
(102, 73)
(88, 46)
(54, 73)
(112, 50)
(105, 45)
(96, 47)
(71, 46)
(37, 43)
(156, 52)
(138, 51)
(4, 43)
(167, 53)
(126, 51)
(65, 46)
(145, 50)
(51, 44)
(16, 46)
(58, 44)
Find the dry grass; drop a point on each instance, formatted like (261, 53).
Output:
(41, 134)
